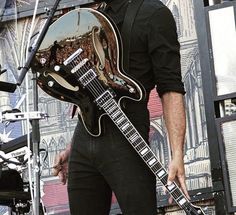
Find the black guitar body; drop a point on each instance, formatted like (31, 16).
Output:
(100, 42)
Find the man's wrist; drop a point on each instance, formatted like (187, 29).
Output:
(177, 153)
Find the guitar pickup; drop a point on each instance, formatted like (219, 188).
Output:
(105, 98)
(78, 66)
(73, 56)
(88, 77)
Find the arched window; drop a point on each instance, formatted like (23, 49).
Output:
(44, 159)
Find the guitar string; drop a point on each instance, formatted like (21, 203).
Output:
(96, 82)
(92, 89)
(94, 85)
(98, 89)
(74, 62)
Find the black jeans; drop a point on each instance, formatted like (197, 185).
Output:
(100, 165)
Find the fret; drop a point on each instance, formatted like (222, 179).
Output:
(177, 193)
(140, 144)
(128, 130)
(144, 151)
(88, 77)
(108, 106)
(104, 98)
(130, 133)
(119, 120)
(107, 103)
(148, 156)
(125, 126)
(134, 137)
(156, 167)
(171, 187)
(161, 173)
(182, 201)
(134, 144)
(115, 113)
(164, 178)
(152, 161)
(112, 109)
(119, 116)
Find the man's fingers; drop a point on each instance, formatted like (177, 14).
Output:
(62, 176)
(56, 169)
(60, 167)
(171, 176)
(183, 186)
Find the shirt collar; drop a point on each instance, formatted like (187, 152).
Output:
(115, 5)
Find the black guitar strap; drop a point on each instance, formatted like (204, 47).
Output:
(131, 12)
(126, 29)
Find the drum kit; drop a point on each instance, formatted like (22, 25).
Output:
(14, 175)
(14, 189)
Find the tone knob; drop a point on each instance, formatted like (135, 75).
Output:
(57, 68)
(50, 83)
(131, 90)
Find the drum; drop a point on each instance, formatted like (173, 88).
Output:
(12, 192)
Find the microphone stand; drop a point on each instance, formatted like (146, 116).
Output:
(35, 122)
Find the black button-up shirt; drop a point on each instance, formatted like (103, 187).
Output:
(154, 47)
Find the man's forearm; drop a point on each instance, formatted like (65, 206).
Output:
(175, 120)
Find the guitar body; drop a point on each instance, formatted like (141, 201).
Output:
(92, 32)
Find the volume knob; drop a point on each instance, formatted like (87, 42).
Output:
(50, 83)
(57, 68)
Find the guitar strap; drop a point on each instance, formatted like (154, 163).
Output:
(131, 12)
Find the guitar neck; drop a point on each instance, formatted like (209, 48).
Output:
(119, 118)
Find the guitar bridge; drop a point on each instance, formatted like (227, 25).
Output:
(73, 56)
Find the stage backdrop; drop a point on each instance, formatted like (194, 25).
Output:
(57, 130)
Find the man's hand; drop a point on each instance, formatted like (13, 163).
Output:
(177, 174)
(60, 167)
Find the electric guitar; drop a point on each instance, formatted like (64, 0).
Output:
(79, 62)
